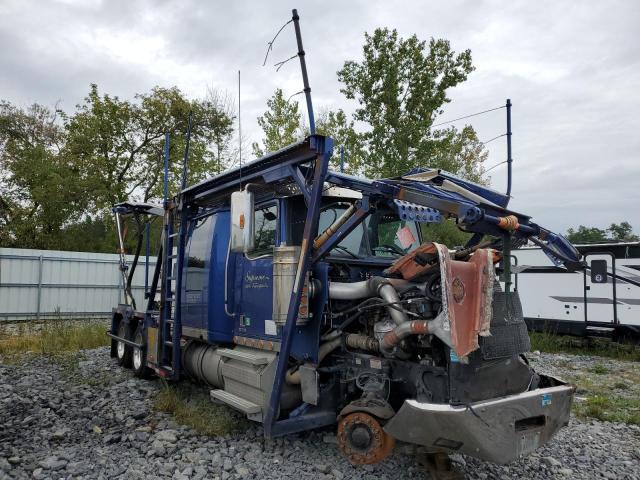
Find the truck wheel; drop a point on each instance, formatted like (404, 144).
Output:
(626, 336)
(139, 355)
(123, 351)
(362, 439)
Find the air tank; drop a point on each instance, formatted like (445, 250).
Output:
(285, 265)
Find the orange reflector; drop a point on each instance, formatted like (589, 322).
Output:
(242, 220)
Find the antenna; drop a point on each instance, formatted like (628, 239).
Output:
(239, 132)
(303, 67)
(509, 159)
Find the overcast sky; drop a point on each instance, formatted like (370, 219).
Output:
(571, 69)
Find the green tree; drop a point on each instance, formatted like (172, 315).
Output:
(120, 143)
(61, 173)
(281, 124)
(41, 190)
(622, 232)
(586, 235)
(401, 87)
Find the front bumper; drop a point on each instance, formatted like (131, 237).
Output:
(498, 430)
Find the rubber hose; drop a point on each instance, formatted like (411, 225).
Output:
(293, 377)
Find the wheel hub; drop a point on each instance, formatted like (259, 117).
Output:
(360, 437)
(137, 358)
(362, 440)
(121, 347)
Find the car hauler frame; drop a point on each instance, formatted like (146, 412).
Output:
(419, 346)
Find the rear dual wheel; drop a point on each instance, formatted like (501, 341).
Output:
(139, 355)
(123, 351)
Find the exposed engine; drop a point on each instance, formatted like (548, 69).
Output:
(412, 338)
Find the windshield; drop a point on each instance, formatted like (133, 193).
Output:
(389, 236)
(382, 234)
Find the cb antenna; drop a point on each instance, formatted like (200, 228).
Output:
(239, 133)
(509, 158)
(295, 19)
(303, 67)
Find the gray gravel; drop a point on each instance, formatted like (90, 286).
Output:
(93, 420)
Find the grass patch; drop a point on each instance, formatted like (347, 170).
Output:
(200, 414)
(610, 409)
(52, 337)
(552, 343)
(599, 369)
(613, 396)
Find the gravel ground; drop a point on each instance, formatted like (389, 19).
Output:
(90, 419)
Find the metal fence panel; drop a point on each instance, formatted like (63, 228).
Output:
(51, 283)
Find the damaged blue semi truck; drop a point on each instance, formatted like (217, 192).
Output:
(307, 298)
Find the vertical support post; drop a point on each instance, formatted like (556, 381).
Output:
(586, 302)
(324, 147)
(120, 288)
(342, 159)
(303, 67)
(615, 294)
(166, 265)
(509, 159)
(147, 233)
(177, 294)
(506, 261)
(39, 299)
(123, 260)
(166, 169)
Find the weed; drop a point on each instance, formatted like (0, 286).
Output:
(599, 369)
(53, 337)
(200, 414)
(610, 409)
(552, 343)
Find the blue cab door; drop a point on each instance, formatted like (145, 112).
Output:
(254, 278)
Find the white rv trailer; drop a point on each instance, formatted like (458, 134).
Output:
(603, 299)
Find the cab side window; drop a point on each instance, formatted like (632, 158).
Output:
(266, 223)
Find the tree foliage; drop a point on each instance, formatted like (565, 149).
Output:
(400, 86)
(62, 172)
(616, 232)
(281, 124)
(39, 193)
(622, 232)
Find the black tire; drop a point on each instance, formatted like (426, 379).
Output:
(139, 355)
(626, 336)
(123, 351)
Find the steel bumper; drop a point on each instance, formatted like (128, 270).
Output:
(498, 430)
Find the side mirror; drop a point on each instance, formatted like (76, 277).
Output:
(242, 224)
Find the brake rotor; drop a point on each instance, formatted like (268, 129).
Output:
(362, 440)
